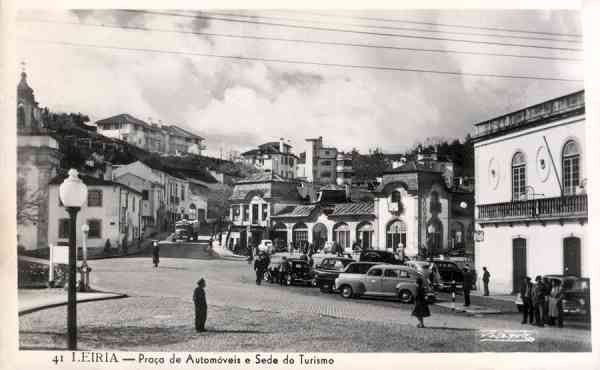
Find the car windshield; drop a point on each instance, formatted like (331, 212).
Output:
(580, 284)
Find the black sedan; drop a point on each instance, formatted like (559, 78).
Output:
(328, 270)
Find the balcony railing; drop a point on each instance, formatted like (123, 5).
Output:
(572, 206)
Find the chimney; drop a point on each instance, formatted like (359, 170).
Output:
(281, 145)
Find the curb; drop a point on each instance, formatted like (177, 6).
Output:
(85, 300)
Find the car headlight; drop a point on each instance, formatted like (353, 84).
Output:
(582, 301)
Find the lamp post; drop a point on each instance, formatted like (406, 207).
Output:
(73, 194)
(85, 270)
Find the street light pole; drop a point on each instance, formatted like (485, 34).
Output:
(85, 270)
(73, 194)
(72, 297)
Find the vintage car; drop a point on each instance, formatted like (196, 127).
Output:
(299, 271)
(266, 246)
(384, 281)
(451, 270)
(354, 270)
(328, 270)
(576, 296)
(380, 256)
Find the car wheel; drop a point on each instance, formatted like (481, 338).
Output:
(347, 291)
(314, 283)
(405, 296)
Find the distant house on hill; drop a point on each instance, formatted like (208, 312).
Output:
(153, 137)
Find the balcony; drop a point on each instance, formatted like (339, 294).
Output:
(545, 209)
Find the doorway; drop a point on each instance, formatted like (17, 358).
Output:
(572, 256)
(519, 262)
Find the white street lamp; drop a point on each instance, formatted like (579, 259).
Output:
(73, 195)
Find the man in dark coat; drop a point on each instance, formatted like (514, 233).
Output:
(259, 268)
(526, 295)
(200, 305)
(284, 269)
(155, 253)
(539, 300)
(467, 284)
(486, 281)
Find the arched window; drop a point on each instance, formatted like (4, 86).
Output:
(396, 234)
(279, 236)
(570, 167)
(434, 235)
(20, 116)
(299, 233)
(319, 235)
(341, 234)
(457, 233)
(519, 181)
(364, 235)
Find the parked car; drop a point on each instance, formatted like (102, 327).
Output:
(380, 256)
(452, 270)
(182, 234)
(328, 270)
(266, 246)
(300, 271)
(354, 270)
(384, 281)
(576, 296)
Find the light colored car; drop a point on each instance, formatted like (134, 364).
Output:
(384, 281)
(266, 246)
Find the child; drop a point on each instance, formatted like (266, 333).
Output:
(453, 291)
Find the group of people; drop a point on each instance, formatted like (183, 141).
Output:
(542, 302)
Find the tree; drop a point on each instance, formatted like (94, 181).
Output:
(28, 203)
(218, 206)
(368, 167)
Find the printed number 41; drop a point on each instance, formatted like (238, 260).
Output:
(57, 359)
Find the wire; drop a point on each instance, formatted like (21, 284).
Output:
(139, 28)
(347, 31)
(392, 27)
(299, 62)
(441, 24)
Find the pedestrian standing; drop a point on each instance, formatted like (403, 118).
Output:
(155, 253)
(259, 268)
(200, 305)
(453, 291)
(421, 309)
(527, 298)
(555, 309)
(547, 289)
(467, 284)
(539, 298)
(486, 281)
(283, 271)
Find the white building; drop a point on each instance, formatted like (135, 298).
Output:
(530, 170)
(275, 157)
(112, 212)
(324, 165)
(167, 139)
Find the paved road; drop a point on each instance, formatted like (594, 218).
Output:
(231, 284)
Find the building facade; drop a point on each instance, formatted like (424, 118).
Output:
(113, 212)
(155, 138)
(324, 165)
(275, 157)
(38, 160)
(530, 169)
(254, 201)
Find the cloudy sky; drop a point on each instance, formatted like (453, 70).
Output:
(239, 103)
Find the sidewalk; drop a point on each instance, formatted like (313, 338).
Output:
(501, 303)
(31, 300)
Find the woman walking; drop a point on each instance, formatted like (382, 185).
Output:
(555, 310)
(155, 254)
(421, 309)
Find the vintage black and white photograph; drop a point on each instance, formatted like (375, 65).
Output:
(300, 181)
